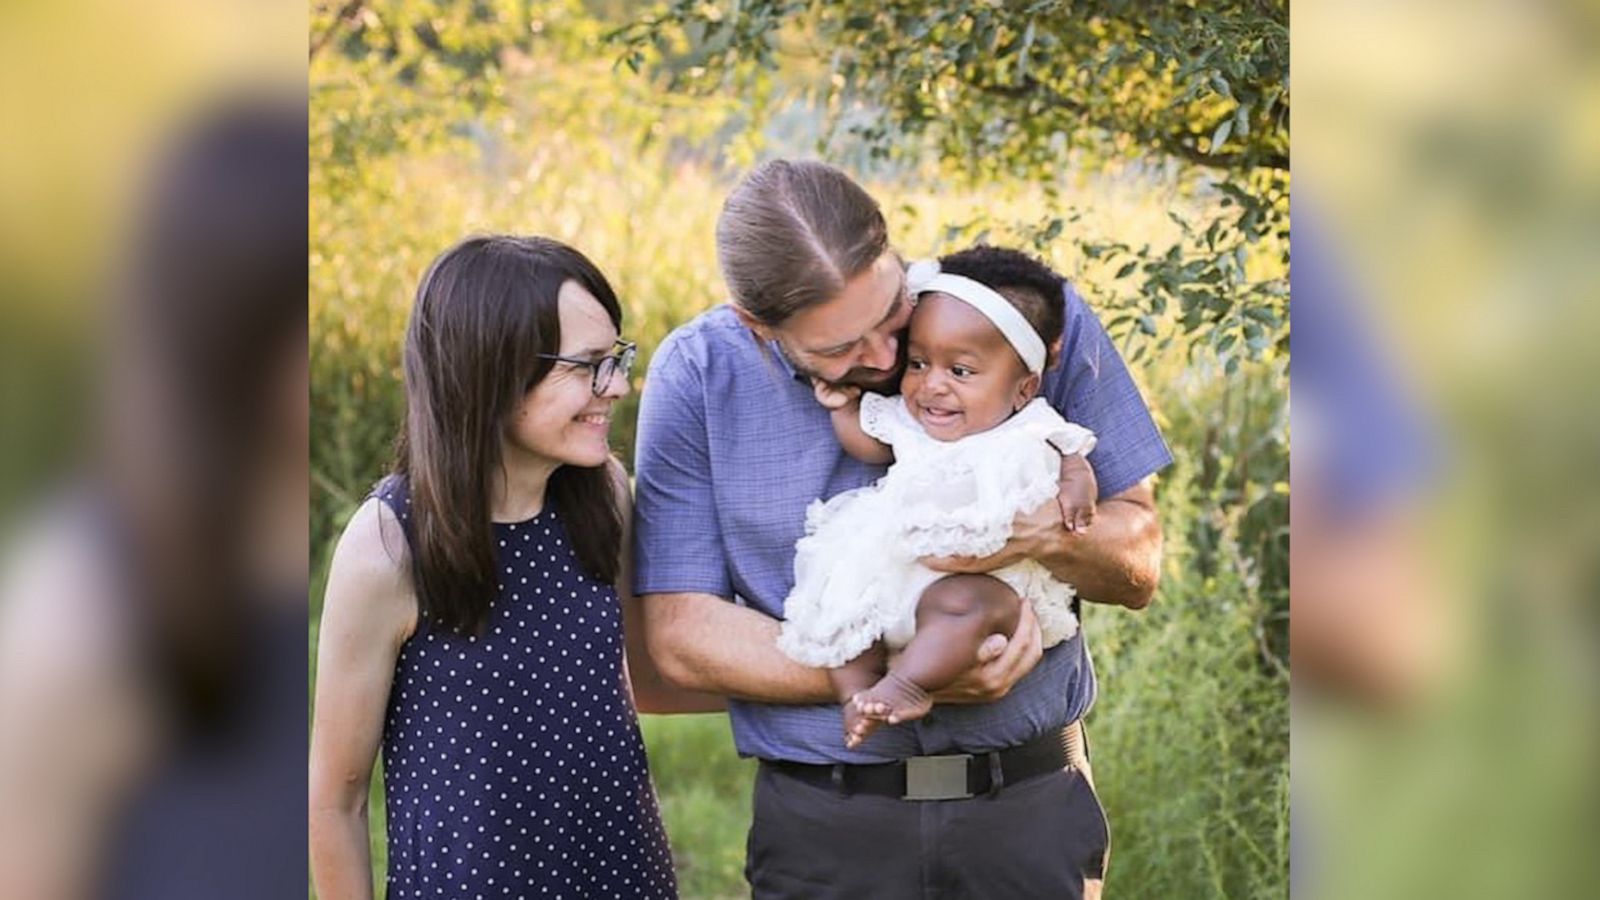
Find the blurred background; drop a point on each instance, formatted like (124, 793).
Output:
(153, 410)
(1447, 200)
(1141, 149)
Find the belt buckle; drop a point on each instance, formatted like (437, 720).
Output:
(937, 777)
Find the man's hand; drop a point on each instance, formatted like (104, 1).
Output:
(1118, 562)
(834, 396)
(1033, 535)
(1001, 663)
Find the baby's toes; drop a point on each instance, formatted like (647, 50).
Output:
(857, 727)
(876, 709)
(865, 703)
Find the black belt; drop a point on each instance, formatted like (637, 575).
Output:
(951, 777)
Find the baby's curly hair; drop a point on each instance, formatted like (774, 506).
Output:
(1031, 286)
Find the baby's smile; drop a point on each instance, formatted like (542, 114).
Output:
(936, 417)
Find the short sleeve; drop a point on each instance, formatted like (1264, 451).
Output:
(677, 541)
(880, 417)
(1071, 438)
(1092, 387)
(1043, 422)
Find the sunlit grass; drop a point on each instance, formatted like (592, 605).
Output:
(704, 789)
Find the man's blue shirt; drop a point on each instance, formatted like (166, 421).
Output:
(732, 447)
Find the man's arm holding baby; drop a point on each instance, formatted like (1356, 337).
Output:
(703, 642)
(1117, 561)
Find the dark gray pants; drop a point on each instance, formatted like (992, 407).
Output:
(1044, 837)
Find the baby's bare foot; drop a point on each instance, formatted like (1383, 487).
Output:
(871, 707)
(894, 699)
(858, 726)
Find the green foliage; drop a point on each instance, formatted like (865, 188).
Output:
(1191, 730)
(1034, 90)
(1011, 85)
(705, 789)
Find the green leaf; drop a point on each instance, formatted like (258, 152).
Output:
(1220, 135)
(1127, 269)
(1147, 325)
(1022, 58)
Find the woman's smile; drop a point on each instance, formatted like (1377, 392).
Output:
(600, 420)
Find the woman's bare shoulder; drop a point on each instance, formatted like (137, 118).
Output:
(369, 578)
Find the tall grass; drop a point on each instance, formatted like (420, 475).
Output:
(1190, 734)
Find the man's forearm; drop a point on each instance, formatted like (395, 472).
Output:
(702, 642)
(1118, 560)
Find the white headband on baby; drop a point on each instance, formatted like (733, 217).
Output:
(923, 276)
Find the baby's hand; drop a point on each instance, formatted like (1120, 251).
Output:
(1076, 493)
(834, 396)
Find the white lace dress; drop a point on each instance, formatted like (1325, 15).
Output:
(857, 578)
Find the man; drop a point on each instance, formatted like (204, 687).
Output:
(732, 447)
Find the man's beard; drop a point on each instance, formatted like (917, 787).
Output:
(878, 381)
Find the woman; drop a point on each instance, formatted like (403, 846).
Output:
(472, 623)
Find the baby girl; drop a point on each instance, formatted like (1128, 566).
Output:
(971, 446)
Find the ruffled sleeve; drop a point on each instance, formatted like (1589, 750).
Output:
(1040, 418)
(881, 417)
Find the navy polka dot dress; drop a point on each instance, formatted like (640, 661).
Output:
(513, 763)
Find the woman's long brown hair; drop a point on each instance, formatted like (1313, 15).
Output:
(484, 312)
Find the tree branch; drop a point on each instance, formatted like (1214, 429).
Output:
(1171, 145)
(1192, 154)
(346, 14)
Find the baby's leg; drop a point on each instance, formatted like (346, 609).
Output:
(850, 679)
(954, 615)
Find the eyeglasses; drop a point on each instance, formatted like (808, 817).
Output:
(605, 368)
